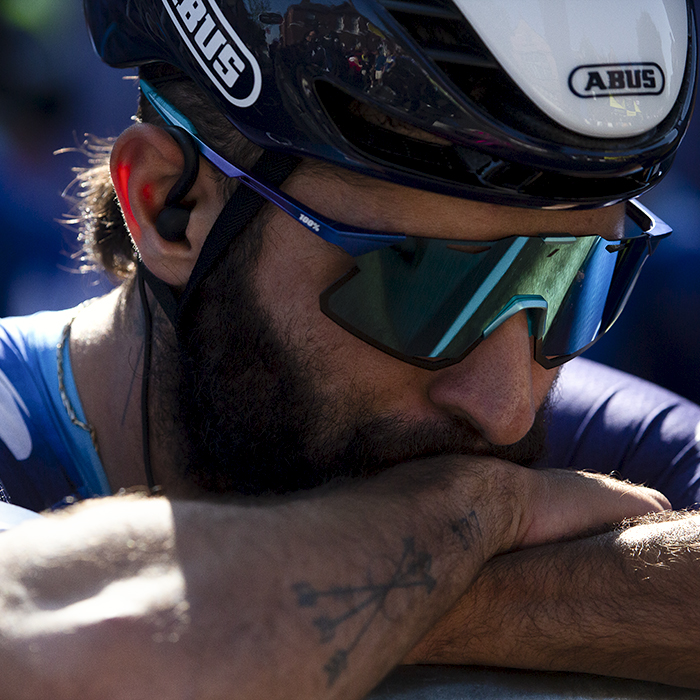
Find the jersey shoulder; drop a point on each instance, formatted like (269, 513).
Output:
(610, 421)
(40, 460)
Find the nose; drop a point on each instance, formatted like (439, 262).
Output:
(498, 387)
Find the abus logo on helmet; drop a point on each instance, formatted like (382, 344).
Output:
(617, 79)
(218, 49)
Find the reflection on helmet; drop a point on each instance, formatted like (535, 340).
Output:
(537, 102)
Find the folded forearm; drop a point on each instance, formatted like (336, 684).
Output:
(623, 603)
(316, 597)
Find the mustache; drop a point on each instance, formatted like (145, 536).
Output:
(383, 443)
(271, 457)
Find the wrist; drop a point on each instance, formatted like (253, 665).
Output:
(480, 498)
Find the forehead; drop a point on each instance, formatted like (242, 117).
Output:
(374, 204)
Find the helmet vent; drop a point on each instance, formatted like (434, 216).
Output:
(448, 164)
(442, 32)
(459, 54)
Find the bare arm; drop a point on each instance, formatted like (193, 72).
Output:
(316, 597)
(624, 604)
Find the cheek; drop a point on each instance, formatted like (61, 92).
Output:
(294, 268)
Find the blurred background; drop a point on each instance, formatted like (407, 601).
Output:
(53, 91)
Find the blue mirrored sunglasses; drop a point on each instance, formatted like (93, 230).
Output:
(431, 301)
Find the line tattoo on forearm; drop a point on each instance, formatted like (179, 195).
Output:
(362, 604)
(465, 529)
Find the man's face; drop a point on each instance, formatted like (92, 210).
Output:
(283, 398)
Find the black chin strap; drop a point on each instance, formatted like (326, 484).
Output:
(147, 348)
(238, 212)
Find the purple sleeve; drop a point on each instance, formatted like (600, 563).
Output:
(606, 420)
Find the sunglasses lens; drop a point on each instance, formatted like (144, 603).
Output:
(595, 299)
(405, 299)
(579, 316)
(431, 301)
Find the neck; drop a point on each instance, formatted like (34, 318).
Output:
(106, 346)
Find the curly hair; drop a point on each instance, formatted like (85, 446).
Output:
(105, 240)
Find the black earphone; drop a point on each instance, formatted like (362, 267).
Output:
(171, 223)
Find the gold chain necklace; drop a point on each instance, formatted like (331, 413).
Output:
(62, 386)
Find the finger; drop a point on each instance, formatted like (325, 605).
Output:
(563, 504)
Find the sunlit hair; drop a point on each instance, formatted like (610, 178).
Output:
(105, 241)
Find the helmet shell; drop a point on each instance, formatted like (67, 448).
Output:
(539, 103)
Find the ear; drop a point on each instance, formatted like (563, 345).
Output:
(146, 162)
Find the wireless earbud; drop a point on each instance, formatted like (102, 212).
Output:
(172, 221)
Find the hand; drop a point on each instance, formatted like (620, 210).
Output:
(557, 505)
(578, 503)
(519, 507)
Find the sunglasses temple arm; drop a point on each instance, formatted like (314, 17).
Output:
(355, 242)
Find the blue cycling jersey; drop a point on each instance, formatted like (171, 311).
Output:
(606, 420)
(603, 420)
(45, 459)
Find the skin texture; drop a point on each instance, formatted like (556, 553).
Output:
(310, 598)
(267, 598)
(561, 614)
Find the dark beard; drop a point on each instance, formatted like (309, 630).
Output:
(252, 422)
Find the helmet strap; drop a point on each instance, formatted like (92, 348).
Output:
(239, 211)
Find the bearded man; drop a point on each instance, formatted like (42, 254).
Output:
(333, 355)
